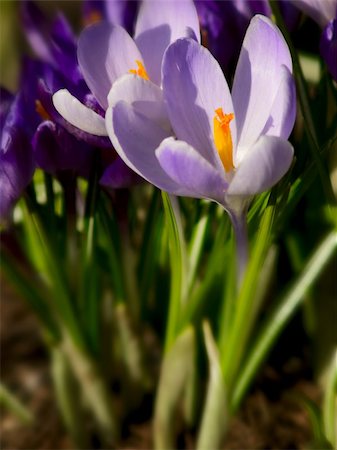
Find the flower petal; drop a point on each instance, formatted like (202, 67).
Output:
(118, 175)
(145, 97)
(159, 24)
(57, 150)
(194, 87)
(105, 52)
(320, 11)
(283, 112)
(257, 77)
(77, 114)
(135, 138)
(264, 165)
(190, 170)
(328, 47)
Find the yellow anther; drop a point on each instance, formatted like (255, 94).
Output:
(223, 138)
(141, 71)
(41, 111)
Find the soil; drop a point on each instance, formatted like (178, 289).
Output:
(270, 418)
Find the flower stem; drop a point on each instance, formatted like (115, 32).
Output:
(239, 223)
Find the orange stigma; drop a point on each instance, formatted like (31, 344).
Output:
(141, 72)
(41, 111)
(223, 138)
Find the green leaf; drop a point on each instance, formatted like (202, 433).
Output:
(215, 417)
(245, 310)
(305, 105)
(176, 366)
(178, 266)
(330, 403)
(32, 291)
(14, 405)
(286, 307)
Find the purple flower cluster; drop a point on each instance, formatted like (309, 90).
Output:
(159, 98)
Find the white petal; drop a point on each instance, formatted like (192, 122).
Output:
(78, 114)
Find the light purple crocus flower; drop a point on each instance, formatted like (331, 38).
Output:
(107, 52)
(227, 146)
(324, 12)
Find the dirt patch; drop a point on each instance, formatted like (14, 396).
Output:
(270, 418)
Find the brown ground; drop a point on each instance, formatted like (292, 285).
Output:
(269, 419)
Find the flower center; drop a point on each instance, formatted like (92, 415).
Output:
(141, 72)
(223, 138)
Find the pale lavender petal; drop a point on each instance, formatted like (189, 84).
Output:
(105, 52)
(194, 87)
(263, 166)
(283, 112)
(257, 77)
(78, 114)
(135, 138)
(159, 24)
(321, 11)
(145, 97)
(189, 169)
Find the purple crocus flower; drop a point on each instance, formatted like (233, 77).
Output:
(117, 12)
(325, 14)
(106, 52)
(328, 47)
(321, 11)
(224, 24)
(52, 41)
(18, 122)
(227, 146)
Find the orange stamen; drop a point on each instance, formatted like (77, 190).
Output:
(41, 111)
(223, 138)
(93, 17)
(141, 71)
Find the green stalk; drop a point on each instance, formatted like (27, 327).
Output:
(330, 403)
(14, 405)
(215, 417)
(67, 396)
(195, 250)
(94, 387)
(55, 277)
(176, 368)
(286, 307)
(178, 268)
(33, 292)
(245, 312)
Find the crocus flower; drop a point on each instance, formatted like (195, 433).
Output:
(227, 146)
(325, 14)
(106, 52)
(328, 47)
(18, 122)
(117, 12)
(320, 11)
(57, 151)
(226, 22)
(52, 41)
